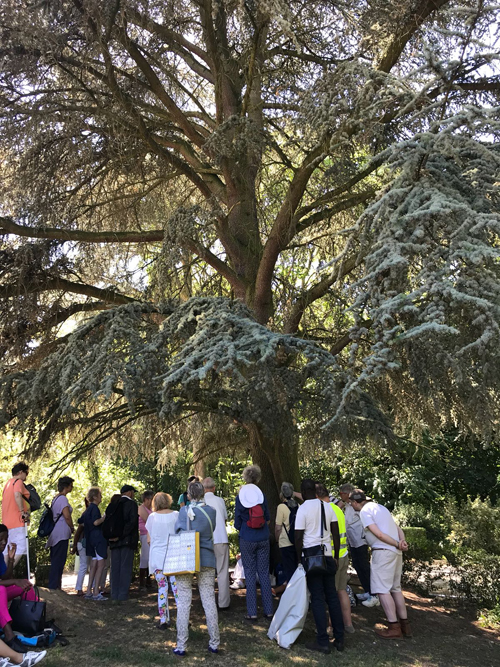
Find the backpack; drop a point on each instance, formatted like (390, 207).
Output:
(290, 533)
(113, 524)
(256, 517)
(47, 522)
(34, 499)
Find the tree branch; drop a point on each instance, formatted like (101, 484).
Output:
(405, 32)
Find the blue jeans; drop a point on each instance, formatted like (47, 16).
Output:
(322, 588)
(289, 561)
(361, 563)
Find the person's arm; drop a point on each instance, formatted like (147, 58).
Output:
(67, 517)
(299, 543)
(334, 529)
(21, 583)
(11, 556)
(298, 495)
(403, 544)
(267, 516)
(383, 537)
(278, 526)
(20, 498)
(77, 538)
(180, 523)
(237, 514)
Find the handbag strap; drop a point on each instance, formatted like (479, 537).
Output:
(209, 520)
(323, 522)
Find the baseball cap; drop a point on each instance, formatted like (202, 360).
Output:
(358, 496)
(127, 487)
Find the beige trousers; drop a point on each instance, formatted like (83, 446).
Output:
(222, 559)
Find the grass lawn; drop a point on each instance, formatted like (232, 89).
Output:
(124, 635)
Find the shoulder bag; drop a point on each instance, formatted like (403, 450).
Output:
(314, 559)
(182, 554)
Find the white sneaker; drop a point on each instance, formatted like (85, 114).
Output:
(372, 601)
(32, 657)
(363, 596)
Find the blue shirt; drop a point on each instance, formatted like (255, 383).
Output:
(94, 539)
(3, 567)
(241, 516)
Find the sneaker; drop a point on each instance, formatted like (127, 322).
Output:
(338, 645)
(178, 652)
(236, 585)
(163, 626)
(88, 596)
(349, 629)
(212, 650)
(363, 596)
(314, 646)
(32, 657)
(99, 598)
(372, 601)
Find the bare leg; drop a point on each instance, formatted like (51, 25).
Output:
(101, 564)
(7, 652)
(399, 601)
(389, 606)
(92, 586)
(345, 605)
(7, 631)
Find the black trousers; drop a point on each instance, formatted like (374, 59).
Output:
(289, 561)
(122, 563)
(361, 563)
(324, 594)
(58, 555)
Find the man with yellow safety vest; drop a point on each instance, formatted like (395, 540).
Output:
(341, 576)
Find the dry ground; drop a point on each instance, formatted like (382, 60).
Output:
(108, 635)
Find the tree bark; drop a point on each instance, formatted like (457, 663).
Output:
(277, 457)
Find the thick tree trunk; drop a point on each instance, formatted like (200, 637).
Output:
(277, 457)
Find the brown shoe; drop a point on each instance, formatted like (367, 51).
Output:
(393, 631)
(406, 627)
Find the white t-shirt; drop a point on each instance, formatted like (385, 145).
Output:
(159, 527)
(308, 519)
(220, 532)
(372, 513)
(354, 528)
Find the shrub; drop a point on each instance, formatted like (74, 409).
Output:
(475, 526)
(417, 515)
(478, 577)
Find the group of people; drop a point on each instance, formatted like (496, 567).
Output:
(307, 523)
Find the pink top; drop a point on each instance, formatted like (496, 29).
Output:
(142, 523)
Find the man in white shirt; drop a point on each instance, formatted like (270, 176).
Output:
(221, 542)
(358, 547)
(316, 527)
(387, 542)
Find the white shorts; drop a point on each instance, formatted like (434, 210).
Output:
(144, 561)
(97, 557)
(385, 571)
(17, 536)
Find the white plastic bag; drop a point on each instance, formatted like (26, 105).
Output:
(290, 617)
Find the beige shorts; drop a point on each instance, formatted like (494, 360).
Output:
(341, 577)
(385, 571)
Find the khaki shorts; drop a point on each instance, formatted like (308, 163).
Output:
(341, 577)
(385, 571)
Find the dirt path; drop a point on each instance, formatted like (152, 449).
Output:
(124, 635)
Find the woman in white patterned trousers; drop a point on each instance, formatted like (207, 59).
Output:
(200, 518)
(206, 583)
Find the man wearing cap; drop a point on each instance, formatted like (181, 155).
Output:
(123, 547)
(358, 546)
(387, 542)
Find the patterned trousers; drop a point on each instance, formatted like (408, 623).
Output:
(255, 557)
(162, 582)
(206, 585)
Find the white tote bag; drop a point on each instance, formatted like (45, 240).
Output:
(182, 555)
(290, 617)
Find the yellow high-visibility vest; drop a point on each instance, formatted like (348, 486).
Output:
(342, 531)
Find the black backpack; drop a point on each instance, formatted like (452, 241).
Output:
(114, 523)
(291, 520)
(47, 522)
(34, 499)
